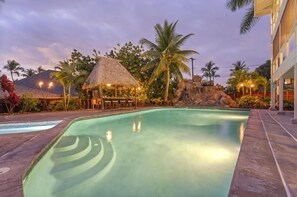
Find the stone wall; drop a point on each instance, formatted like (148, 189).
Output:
(200, 93)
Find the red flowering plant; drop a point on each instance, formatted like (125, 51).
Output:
(10, 98)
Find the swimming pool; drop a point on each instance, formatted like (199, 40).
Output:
(163, 152)
(27, 127)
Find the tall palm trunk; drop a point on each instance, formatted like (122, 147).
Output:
(69, 95)
(167, 85)
(11, 74)
(64, 96)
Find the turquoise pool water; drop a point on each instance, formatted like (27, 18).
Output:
(163, 152)
(27, 127)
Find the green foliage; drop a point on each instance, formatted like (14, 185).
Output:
(65, 76)
(131, 58)
(11, 100)
(14, 68)
(209, 71)
(248, 20)
(74, 72)
(28, 72)
(73, 104)
(288, 105)
(59, 106)
(241, 80)
(238, 66)
(83, 66)
(165, 54)
(39, 69)
(157, 101)
(252, 102)
(264, 70)
(28, 103)
(142, 97)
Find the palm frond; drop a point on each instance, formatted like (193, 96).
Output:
(182, 40)
(234, 5)
(188, 52)
(148, 43)
(248, 20)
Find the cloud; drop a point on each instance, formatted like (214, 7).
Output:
(44, 32)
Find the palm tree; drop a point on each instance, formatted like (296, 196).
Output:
(167, 59)
(248, 20)
(209, 70)
(238, 65)
(13, 67)
(262, 81)
(28, 72)
(65, 75)
(214, 74)
(40, 69)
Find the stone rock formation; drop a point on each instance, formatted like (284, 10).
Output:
(200, 93)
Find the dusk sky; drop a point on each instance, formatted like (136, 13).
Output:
(42, 33)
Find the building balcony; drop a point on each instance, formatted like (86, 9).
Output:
(286, 68)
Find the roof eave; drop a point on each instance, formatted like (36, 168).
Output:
(262, 7)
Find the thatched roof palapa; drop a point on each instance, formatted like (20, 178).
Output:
(109, 71)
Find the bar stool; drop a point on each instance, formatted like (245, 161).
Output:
(123, 103)
(107, 104)
(115, 103)
(130, 103)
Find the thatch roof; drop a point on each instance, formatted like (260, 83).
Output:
(109, 71)
(36, 93)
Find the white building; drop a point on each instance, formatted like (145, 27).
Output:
(283, 46)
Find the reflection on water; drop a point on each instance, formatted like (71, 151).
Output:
(241, 132)
(134, 127)
(138, 128)
(108, 136)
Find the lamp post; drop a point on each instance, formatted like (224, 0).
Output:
(50, 85)
(40, 84)
(192, 60)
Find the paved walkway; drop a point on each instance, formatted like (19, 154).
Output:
(267, 164)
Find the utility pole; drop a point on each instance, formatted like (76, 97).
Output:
(192, 59)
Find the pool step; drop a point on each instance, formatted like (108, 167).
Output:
(66, 143)
(68, 169)
(83, 148)
(78, 181)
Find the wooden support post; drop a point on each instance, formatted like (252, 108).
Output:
(135, 97)
(101, 97)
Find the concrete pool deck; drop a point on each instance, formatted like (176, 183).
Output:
(267, 164)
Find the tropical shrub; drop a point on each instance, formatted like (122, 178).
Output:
(252, 102)
(288, 105)
(11, 100)
(28, 103)
(73, 104)
(59, 106)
